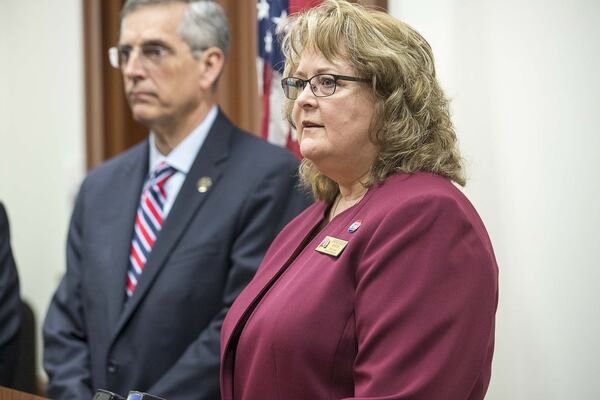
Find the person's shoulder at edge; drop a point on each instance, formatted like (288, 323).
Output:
(3, 216)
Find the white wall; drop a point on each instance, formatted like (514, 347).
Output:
(41, 135)
(523, 78)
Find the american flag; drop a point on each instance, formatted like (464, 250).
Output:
(270, 62)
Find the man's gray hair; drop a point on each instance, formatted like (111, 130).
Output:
(203, 25)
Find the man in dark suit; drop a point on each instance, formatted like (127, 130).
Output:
(10, 300)
(164, 236)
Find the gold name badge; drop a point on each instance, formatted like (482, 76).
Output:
(332, 246)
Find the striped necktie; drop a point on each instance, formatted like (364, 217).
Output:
(148, 221)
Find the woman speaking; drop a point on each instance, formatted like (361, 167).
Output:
(386, 287)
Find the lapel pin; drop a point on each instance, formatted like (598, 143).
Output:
(355, 225)
(204, 184)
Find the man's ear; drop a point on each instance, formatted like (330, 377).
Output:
(211, 63)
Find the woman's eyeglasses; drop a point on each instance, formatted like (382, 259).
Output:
(322, 85)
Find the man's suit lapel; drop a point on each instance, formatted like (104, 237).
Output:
(127, 185)
(189, 200)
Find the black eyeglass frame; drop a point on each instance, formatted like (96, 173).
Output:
(336, 78)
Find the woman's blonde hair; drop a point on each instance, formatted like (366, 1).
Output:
(411, 125)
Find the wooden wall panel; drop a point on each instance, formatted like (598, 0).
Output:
(94, 92)
(238, 88)
(109, 125)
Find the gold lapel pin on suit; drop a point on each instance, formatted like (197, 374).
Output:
(204, 184)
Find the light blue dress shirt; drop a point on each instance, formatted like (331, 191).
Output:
(181, 157)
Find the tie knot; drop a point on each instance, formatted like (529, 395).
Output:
(161, 174)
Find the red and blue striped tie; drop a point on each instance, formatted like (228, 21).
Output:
(148, 221)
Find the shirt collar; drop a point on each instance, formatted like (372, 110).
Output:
(183, 155)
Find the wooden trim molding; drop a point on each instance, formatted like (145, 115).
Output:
(238, 88)
(94, 121)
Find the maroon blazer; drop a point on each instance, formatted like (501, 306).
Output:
(405, 312)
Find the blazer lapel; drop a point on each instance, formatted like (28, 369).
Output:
(189, 200)
(267, 275)
(277, 262)
(127, 185)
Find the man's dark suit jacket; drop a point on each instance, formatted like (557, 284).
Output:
(165, 339)
(10, 300)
